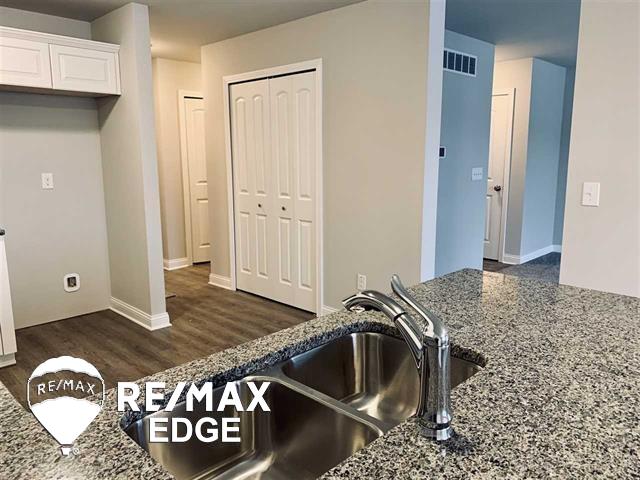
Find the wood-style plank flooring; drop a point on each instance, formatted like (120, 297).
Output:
(492, 265)
(205, 320)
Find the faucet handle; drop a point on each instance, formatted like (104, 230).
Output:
(435, 328)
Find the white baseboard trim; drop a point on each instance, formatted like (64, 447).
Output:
(220, 281)
(519, 259)
(7, 360)
(327, 310)
(150, 322)
(511, 259)
(176, 263)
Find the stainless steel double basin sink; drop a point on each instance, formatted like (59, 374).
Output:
(325, 404)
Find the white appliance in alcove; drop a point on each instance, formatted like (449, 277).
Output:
(7, 330)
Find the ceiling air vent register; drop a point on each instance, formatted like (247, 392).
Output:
(459, 62)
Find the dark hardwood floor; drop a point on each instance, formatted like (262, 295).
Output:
(492, 265)
(205, 320)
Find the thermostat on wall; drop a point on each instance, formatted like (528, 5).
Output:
(71, 282)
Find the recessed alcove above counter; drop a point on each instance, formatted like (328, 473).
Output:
(36, 62)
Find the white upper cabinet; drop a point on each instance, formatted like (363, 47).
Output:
(84, 70)
(24, 62)
(35, 61)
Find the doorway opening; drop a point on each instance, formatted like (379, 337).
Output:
(194, 176)
(499, 166)
(506, 122)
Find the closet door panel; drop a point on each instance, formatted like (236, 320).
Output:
(253, 209)
(283, 182)
(304, 174)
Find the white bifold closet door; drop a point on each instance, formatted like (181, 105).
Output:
(273, 137)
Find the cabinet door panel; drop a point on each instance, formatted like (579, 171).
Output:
(24, 63)
(84, 70)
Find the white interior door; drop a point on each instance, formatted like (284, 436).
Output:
(499, 159)
(273, 125)
(198, 194)
(7, 328)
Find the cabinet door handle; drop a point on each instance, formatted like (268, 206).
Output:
(284, 209)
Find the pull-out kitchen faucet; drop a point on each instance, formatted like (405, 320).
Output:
(429, 345)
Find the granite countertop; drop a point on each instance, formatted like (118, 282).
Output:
(558, 396)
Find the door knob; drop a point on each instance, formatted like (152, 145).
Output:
(259, 205)
(497, 188)
(2, 232)
(284, 209)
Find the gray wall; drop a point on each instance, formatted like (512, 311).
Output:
(12, 17)
(563, 164)
(465, 132)
(169, 76)
(435, 46)
(543, 153)
(374, 134)
(51, 233)
(601, 245)
(130, 165)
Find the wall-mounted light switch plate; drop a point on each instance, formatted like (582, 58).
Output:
(476, 174)
(591, 194)
(362, 282)
(47, 181)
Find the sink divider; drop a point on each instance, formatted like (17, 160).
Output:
(276, 374)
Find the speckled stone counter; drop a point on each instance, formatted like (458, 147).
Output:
(559, 395)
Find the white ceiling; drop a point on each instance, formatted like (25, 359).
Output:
(180, 27)
(547, 29)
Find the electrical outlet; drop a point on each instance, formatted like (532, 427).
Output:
(47, 181)
(71, 282)
(362, 282)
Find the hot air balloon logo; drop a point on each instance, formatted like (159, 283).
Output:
(57, 393)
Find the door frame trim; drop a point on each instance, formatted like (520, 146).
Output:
(184, 161)
(227, 81)
(506, 170)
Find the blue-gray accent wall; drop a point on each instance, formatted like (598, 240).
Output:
(465, 132)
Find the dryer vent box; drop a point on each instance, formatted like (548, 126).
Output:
(71, 282)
